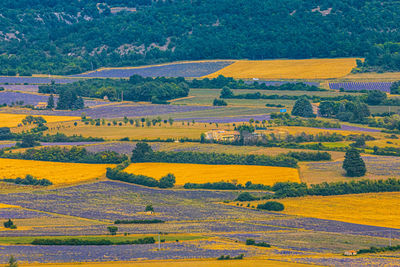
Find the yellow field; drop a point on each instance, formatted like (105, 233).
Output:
(202, 173)
(5, 206)
(12, 120)
(178, 263)
(56, 172)
(378, 209)
(288, 69)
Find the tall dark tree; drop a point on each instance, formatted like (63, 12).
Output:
(353, 164)
(50, 102)
(303, 108)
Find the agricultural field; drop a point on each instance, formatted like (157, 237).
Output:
(33, 80)
(32, 98)
(288, 69)
(377, 209)
(358, 86)
(379, 167)
(200, 173)
(13, 120)
(180, 69)
(57, 172)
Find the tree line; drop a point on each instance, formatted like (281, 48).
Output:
(136, 88)
(62, 154)
(144, 153)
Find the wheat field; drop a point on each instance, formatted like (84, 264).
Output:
(326, 68)
(378, 209)
(56, 172)
(202, 173)
(12, 120)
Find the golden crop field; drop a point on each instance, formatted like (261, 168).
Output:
(12, 120)
(378, 209)
(56, 172)
(202, 173)
(5, 206)
(325, 68)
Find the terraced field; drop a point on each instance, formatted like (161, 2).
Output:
(200, 173)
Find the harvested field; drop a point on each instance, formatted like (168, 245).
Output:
(13, 120)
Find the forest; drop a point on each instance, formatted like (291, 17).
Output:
(69, 37)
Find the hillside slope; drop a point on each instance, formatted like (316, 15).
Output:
(69, 37)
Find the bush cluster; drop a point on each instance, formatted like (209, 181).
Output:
(117, 174)
(28, 180)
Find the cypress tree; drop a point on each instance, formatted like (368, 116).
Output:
(50, 102)
(303, 108)
(353, 164)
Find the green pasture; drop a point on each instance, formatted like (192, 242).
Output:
(15, 240)
(206, 97)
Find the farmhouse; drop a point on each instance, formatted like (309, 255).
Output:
(222, 135)
(350, 253)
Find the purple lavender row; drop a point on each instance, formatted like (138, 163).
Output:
(8, 98)
(34, 80)
(358, 86)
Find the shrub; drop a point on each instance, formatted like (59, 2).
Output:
(9, 224)
(167, 181)
(271, 206)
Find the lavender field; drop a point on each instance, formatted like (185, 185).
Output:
(9, 98)
(224, 227)
(32, 80)
(190, 69)
(120, 110)
(358, 86)
(21, 87)
(227, 119)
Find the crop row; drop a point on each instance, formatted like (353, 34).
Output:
(358, 86)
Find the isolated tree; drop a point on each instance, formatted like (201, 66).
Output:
(50, 102)
(303, 108)
(8, 223)
(353, 164)
(167, 181)
(112, 229)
